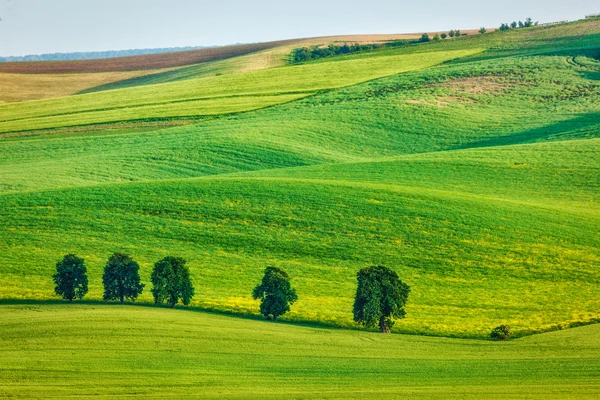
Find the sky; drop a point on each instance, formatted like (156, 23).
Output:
(52, 26)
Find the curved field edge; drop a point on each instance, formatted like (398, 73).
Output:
(103, 351)
(107, 106)
(474, 260)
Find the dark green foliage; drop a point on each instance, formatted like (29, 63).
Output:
(482, 30)
(171, 282)
(436, 38)
(71, 278)
(513, 25)
(504, 27)
(444, 35)
(425, 38)
(380, 298)
(457, 33)
(275, 293)
(521, 24)
(502, 332)
(316, 52)
(121, 278)
(451, 33)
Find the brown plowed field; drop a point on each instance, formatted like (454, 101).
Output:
(180, 58)
(137, 63)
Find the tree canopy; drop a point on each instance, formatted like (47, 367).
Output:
(275, 293)
(70, 279)
(121, 278)
(171, 282)
(380, 298)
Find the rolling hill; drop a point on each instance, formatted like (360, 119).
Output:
(469, 166)
(177, 354)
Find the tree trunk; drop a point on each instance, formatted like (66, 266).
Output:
(383, 328)
(122, 299)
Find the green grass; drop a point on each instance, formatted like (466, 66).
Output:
(60, 351)
(476, 179)
(211, 95)
(477, 253)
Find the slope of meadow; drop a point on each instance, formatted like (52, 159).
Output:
(472, 173)
(212, 95)
(177, 354)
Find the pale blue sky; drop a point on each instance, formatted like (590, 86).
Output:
(47, 26)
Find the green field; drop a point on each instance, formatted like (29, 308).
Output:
(476, 179)
(61, 351)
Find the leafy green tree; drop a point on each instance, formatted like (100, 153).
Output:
(501, 333)
(436, 38)
(380, 298)
(451, 33)
(444, 36)
(513, 25)
(121, 278)
(457, 33)
(504, 27)
(528, 23)
(425, 38)
(482, 30)
(171, 282)
(71, 278)
(275, 293)
(521, 24)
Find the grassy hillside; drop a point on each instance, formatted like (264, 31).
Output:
(212, 95)
(64, 351)
(472, 173)
(474, 257)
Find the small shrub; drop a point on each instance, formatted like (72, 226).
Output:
(444, 36)
(501, 333)
(425, 38)
(436, 38)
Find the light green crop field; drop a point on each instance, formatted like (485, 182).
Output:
(64, 351)
(471, 167)
(211, 95)
(475, 178)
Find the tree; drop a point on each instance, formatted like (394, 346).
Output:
(275, 293)
(171, 282)
(514, 25)
(528, 23)
(71, 278)
(121, 278)
(451, 33)
(425, 38)
(501, 333)
(436, 38)
(482, 30)
(380, 298)
(521, 24)
(504, 27)
(444, 36)
(457, 33)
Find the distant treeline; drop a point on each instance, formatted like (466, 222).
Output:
(95, 54)
(316, 52)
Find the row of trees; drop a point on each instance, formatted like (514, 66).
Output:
(515, 25)
(171, 281)
(437, 37)
(379, 301)
(316, 52)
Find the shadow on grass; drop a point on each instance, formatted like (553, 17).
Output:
(581, 127)
(196, 309)
(291, 322)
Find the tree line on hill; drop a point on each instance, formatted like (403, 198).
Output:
(516, 25)
(379, 300)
